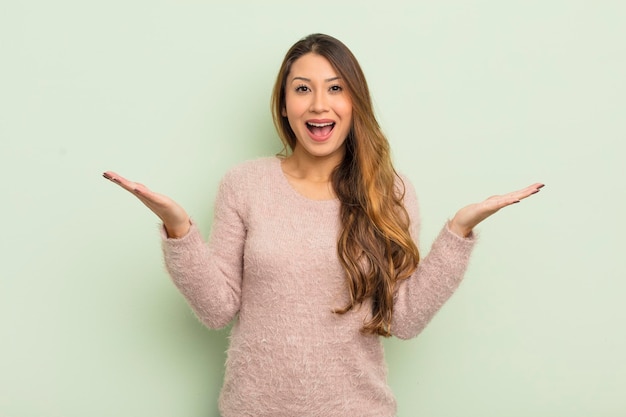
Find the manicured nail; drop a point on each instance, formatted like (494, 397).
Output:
(515, 202)
(110, 178)
(541, 186)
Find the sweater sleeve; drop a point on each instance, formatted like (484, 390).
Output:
(209, 274)
(437, 276)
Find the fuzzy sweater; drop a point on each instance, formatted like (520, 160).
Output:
(272, 263)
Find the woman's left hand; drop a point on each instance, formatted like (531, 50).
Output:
(469, 216)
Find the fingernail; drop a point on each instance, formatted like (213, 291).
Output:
(110, 178)
(515, 202)
(541, 186)
(534, 192)
(137, 191)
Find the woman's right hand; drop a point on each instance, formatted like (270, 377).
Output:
(174, 217)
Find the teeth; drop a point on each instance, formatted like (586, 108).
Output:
(320, 124)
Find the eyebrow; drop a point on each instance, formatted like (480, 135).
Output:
(308, 80)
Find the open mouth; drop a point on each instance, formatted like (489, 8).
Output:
(320, 129)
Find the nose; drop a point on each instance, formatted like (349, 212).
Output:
(319, 102)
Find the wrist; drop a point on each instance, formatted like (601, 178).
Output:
(177, 231)
(459, 230)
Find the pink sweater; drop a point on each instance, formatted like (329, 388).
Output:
(271, 262)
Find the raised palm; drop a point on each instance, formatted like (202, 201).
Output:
(174, 217)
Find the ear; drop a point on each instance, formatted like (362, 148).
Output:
(283, 112)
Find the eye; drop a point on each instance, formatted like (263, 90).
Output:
(335, 88)
(302, 88)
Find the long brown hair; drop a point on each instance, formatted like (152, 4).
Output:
(374, 247)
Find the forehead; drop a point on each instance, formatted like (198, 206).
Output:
(313, 67)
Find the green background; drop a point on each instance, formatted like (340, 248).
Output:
(477, 98)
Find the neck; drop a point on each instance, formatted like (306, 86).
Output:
(311, 168)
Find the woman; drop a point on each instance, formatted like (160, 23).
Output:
(313, 251)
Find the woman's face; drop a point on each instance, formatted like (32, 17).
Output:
(318, 107)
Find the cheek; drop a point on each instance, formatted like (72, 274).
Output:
(294, 105)
(345, 108)
(293, 119)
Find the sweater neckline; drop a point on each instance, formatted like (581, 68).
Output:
(284, 182)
